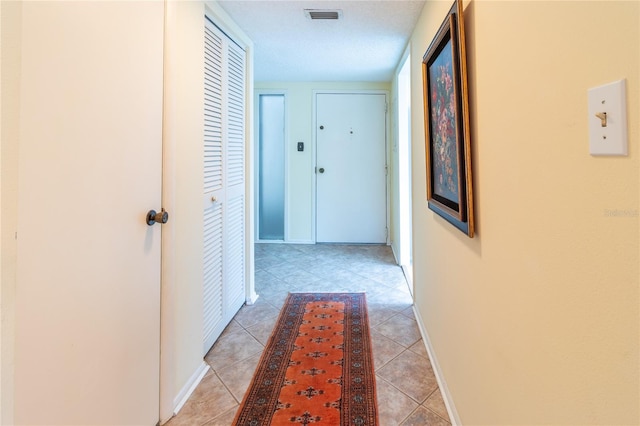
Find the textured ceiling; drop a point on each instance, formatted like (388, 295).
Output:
(364, 45)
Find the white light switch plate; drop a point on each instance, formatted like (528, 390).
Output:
(610, 99)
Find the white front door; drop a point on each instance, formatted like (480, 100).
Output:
(90, 167)
(351, 189)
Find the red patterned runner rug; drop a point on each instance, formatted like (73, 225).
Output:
(317, 367)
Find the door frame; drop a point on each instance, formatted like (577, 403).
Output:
(405, 224)
(314, 137)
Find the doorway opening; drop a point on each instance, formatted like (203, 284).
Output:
(404, 161)
(271, 167)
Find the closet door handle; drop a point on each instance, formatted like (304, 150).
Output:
(160, 217)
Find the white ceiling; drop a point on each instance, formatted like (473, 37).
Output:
(364, 45)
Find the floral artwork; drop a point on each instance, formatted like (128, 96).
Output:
(446, 120)
(443, 125)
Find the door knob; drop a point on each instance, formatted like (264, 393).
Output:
(160, 217)
(321, 169)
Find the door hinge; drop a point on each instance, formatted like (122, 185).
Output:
(386, 107)
(386, 170)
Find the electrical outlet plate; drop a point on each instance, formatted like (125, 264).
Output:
(612, 138)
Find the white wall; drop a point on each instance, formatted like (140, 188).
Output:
(300, 185)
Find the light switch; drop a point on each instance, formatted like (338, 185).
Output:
(608, 119)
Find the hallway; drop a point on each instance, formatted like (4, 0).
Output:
(404, 397)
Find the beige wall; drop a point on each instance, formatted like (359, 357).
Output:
(10, 63)
(535, 320)
(182, 328)
(300, 180)
(183, 246)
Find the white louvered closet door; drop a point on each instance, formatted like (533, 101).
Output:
(234, 220)
(224, 182)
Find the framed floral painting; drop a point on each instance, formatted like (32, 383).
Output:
(446, 106)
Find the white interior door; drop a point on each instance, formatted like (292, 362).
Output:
(351, 189)
(88, 274)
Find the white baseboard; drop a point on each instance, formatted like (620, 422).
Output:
(189, 387)
(408, 274)
(252, 299)
(285, 242)
(446, 395)
(395, 256)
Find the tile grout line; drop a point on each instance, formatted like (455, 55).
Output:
(288, 260)
(396, 387)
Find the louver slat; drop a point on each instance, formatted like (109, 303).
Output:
(213, 129)
(236, 75)
(212, 298)
(235, 261)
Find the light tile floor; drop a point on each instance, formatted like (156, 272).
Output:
(407, 390)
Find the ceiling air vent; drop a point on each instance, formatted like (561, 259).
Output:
(323, 13)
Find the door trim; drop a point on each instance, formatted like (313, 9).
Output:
(314, 137)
